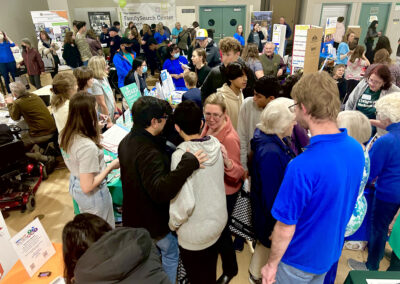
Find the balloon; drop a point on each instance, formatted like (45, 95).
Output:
(122, 3)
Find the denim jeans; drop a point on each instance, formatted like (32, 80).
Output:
(381, 217)
(287, 274)
(169, 249)
(97, 202)
(5, 70)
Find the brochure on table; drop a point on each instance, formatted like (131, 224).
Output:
(33, 246)
(306, 48)
(8, 257)
(278, 38)
(131, 94)
(112, 137)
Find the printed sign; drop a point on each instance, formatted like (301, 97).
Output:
(55, 23)
(8, 257)
(97, 19)
(278, 38)
(131, 94)
(33, 246)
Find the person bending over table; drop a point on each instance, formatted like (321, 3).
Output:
(34, 111)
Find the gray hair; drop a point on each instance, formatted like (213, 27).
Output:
(27, 41)
(388, 107)
(276, 117)
(269, 42)
(17, 88)
(356, 123)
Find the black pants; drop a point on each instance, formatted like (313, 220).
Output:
(151, 59)
(335, 44)
(369, 53)
(5, 70)
(225, 243)
(201, 265)
(394, 263)
(351, 84)
(56, 62)
(35, 80)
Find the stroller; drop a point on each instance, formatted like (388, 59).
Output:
(19, 177)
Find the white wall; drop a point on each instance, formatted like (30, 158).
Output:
(311, 11)
(16, 20)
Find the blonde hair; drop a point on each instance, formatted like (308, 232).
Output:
(319, 93)
(388, 107)
(356, 123)
(216, 99)
(98, 65)
(276, 117)
(160, 28)
(190, 79)
(62, 84)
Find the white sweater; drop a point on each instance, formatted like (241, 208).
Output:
(61, 115)
(198, 213)
(249, 116)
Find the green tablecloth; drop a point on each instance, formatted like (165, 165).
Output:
(360, 277)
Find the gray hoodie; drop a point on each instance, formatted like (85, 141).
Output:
(198, 213)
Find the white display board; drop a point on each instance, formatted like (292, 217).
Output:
(299, 47)
(8, 257)
(278, 38)
(55, 23)
(149, 13)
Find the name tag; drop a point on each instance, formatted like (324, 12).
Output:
(366, 97)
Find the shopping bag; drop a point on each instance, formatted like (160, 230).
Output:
(240, 223)
(48, 63)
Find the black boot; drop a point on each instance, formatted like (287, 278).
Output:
(224, 279)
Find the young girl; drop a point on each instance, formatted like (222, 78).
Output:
(84, 77)
(355, 68)
(64, 87)
(84, 157)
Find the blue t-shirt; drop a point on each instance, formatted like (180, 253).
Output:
(193, 95)
(342, 49)
(176, 32)
(160, 38)
(385, 164)
(6, 54)
(174, 67)
(239, 39)
(318, 195)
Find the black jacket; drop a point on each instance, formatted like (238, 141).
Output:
(213, 57)
(148, 184)
(217, 77)
(71, 55)
(123, 255)
(250, 39)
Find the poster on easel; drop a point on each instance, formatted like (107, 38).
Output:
(8, 257)
(54, 23)
(278, 38)
(306, 48)
(98, 19)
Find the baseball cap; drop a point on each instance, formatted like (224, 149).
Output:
(104, 26)
(201, 34)
(113, 29)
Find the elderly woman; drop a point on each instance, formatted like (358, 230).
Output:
(382, 56)
(219, 125)
(272, 153)
(385, 167)
(33, 62)
(377, 84)
(358, 127)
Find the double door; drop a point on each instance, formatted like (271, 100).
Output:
(222, 20)
(371, 12)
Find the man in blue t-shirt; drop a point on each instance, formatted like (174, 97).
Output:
(319, 191)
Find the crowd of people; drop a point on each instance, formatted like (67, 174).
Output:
(308, 145)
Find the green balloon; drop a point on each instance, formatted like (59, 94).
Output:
(122, 3)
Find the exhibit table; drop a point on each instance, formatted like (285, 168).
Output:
(360, 277)
(19, 275)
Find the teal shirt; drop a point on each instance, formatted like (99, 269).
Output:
(129, 57)
(366, 103)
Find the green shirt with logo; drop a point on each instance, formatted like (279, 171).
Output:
(366, 103)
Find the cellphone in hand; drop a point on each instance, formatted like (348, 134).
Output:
(44, 274)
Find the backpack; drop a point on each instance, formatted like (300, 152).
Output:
(5, 134)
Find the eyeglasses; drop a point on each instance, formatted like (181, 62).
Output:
(292, 107)
(375, 82)
(216, 116)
